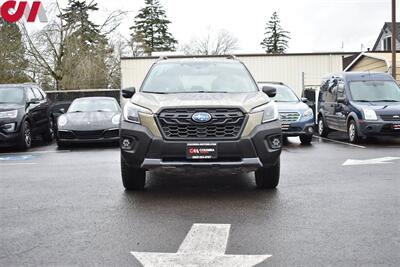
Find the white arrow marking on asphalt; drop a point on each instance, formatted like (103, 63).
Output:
(204, 245)
(386, 160)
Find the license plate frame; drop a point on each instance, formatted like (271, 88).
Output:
(201, 151)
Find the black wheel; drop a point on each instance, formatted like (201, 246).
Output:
(48, 135)
(306, 139)
(26, 136)
(323, 130)
(132, 178)
(268, 178)
(352, 131)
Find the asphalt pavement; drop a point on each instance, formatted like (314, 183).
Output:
(68, 208)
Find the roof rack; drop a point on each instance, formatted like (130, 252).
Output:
(278, 83)
(233, 57)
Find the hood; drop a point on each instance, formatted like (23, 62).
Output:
(292, 106)
(8, 106)
(89, 121)
(381, 108)
(156, 102)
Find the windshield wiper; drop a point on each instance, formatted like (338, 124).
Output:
(77, 111)
(386, 100)
(364, 101)
(201, 92)
(158, 93)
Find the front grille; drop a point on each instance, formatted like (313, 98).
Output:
(225, 123)
(111, 133)
(66, 135)
(391, 117)
(88, 134)
(289, 117)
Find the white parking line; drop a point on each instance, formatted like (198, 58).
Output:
(339, 142)
(18, 164)
(35, 152)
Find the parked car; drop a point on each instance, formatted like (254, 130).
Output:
(296, 117)
(361, 104)
(24, 114)
(89, 120)
(202, 115)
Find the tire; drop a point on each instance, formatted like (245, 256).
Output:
(352, 132)
(26, 136)
(48, 135)
(306, 139)
(323, 130)
(268, 178)
(132, 178)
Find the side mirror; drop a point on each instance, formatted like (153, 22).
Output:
(269, 91)
(128, 92)
(341, 100)
(62, 110)
(304, 100)
(33, 101)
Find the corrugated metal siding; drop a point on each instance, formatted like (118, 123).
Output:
(287, 69)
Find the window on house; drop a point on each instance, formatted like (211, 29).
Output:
(387, 43)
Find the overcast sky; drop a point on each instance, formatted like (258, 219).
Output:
(314, 25)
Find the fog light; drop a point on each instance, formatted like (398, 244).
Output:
(127, 143)
(276, 142)
(9, 128)
(310, 130)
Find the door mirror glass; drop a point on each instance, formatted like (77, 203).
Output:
(269, 91)
(128, 92)
(304, 100)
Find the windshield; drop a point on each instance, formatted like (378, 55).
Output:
(93, 105)
(199, 77)
(284, 94)
(14, 95)
(375, 91)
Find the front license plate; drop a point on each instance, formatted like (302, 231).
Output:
(201, 151)
(396, 127)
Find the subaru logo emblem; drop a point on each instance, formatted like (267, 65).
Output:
(201, 117)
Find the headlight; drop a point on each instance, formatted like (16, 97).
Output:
(270, 112)
(370, 115)
(11, 114)
(115, 120)
(309, 113)
(62, 121)
(131, 112)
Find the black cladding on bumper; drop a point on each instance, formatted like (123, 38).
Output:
(141, 149)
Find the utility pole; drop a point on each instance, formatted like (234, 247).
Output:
(394, 39)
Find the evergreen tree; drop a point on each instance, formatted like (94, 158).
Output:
(276, 39)
(151, 29)
(86, 48)
(12, 54)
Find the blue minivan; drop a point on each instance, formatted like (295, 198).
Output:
(361, 104)
(296, 117)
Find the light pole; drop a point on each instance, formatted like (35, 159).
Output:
(394, 39)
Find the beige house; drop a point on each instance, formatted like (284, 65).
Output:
(375, 62)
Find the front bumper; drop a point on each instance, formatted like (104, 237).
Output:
(100, 136)
(378, 128)
(303, 127)
(246, 154)
(9, 139)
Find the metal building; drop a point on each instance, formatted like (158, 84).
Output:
(296, 70)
